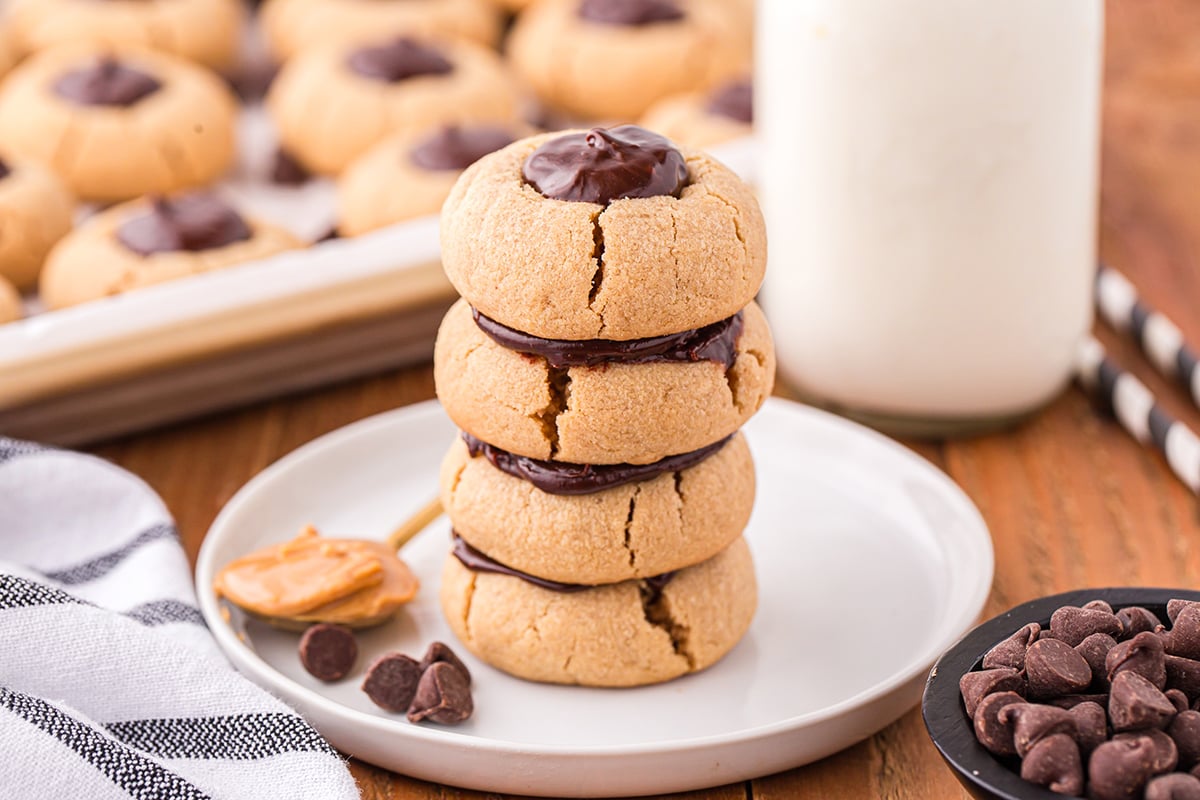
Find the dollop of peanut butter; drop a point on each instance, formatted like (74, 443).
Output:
(316, 579)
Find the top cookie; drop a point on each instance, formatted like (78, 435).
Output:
(630, 268)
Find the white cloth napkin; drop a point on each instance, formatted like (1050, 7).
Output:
(110, 684)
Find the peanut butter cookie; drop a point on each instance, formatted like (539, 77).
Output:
(667, 521)
(118, 126)
(704, 119)
(292, 26)
(36, 211)
(623, 634)
(146, 242)
(613, 59)
(675, 244)
(205, 31)
(333, 104)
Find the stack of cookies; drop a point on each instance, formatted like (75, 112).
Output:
(604, 355)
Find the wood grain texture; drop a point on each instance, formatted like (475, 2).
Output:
(1071, 500)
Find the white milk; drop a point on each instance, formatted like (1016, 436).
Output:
(929, 174)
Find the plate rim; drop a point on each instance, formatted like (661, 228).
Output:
(244, 658)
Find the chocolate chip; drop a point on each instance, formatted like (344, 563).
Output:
(1175, 606)
(1185, 731)
(1054, 762)
(1183, 674)
(1094, 650)
(443, 696)
(1098, 605)
(1091, 725)
(1178, 699)
(996, 735)
(441, 652)
(392, 681)
(1053, 668)
(1119, 770)
(1177, 786)
(1011, 651)
(1135, 704)
(1071, 700)
(1073, 625)
(1183, 639)
(1166, 754)
(1142, 654)
(975, 686)
(328, 652)
(1032, 722)
(1135, 620)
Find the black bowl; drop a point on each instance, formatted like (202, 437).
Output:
(981, 773)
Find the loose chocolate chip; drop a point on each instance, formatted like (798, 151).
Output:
(1119, 770)
(1177, 698)
(1185, 731)
(1053, 668)
(996, 735)
(1183, 639)
(1175, 606)
(1091, 726)
(328, 652)
(1166, 754)
(443, 696)
(1032, 722)
(1135, 620)
(1011, 651)
(1094, 650)
(1183, 674)
(1177, 786)
(439, 652)
(1071, 700)
(1054, 762)
(392, 681)
(1073, 625)
(1098, 605)
(1142, 654)
(1136, 704)
(975, 686)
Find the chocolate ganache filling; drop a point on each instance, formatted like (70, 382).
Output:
(631, 13)
(563, 478)
(107, 82)
(716, 342)
(734, 100)
(477, 561)
(456, 148)
(191, 222)
(399, 60)
(601, 165)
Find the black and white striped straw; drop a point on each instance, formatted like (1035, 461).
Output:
(1160, 338)
(1139, 413)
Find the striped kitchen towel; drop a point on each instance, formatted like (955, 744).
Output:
(110, 684)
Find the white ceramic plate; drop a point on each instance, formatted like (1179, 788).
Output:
(870, 562)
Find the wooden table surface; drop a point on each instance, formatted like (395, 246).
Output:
(1070, 499)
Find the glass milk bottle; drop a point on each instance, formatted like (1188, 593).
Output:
(929, 176)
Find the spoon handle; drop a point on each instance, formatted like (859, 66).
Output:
(415, 524)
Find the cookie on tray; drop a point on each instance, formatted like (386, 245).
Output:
(116, 126)
(293, 26)
(644, 238)
(605, 412)
(152, 241)
(36, 210)
(613, 59)
(411, 175)
(208, 32)
(598, 525)
(704, 119)
(623, 634)
(10, 302)
(333, 104)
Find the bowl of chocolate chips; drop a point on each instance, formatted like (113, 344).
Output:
(1093, 693)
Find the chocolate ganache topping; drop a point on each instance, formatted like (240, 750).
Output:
(630, 12)
(191, 222)
(455, 148)
(107, 82)
(560, 477)
(399, 60)
(477, 561)
(605, 165)
(716, 342)
(734, 100)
